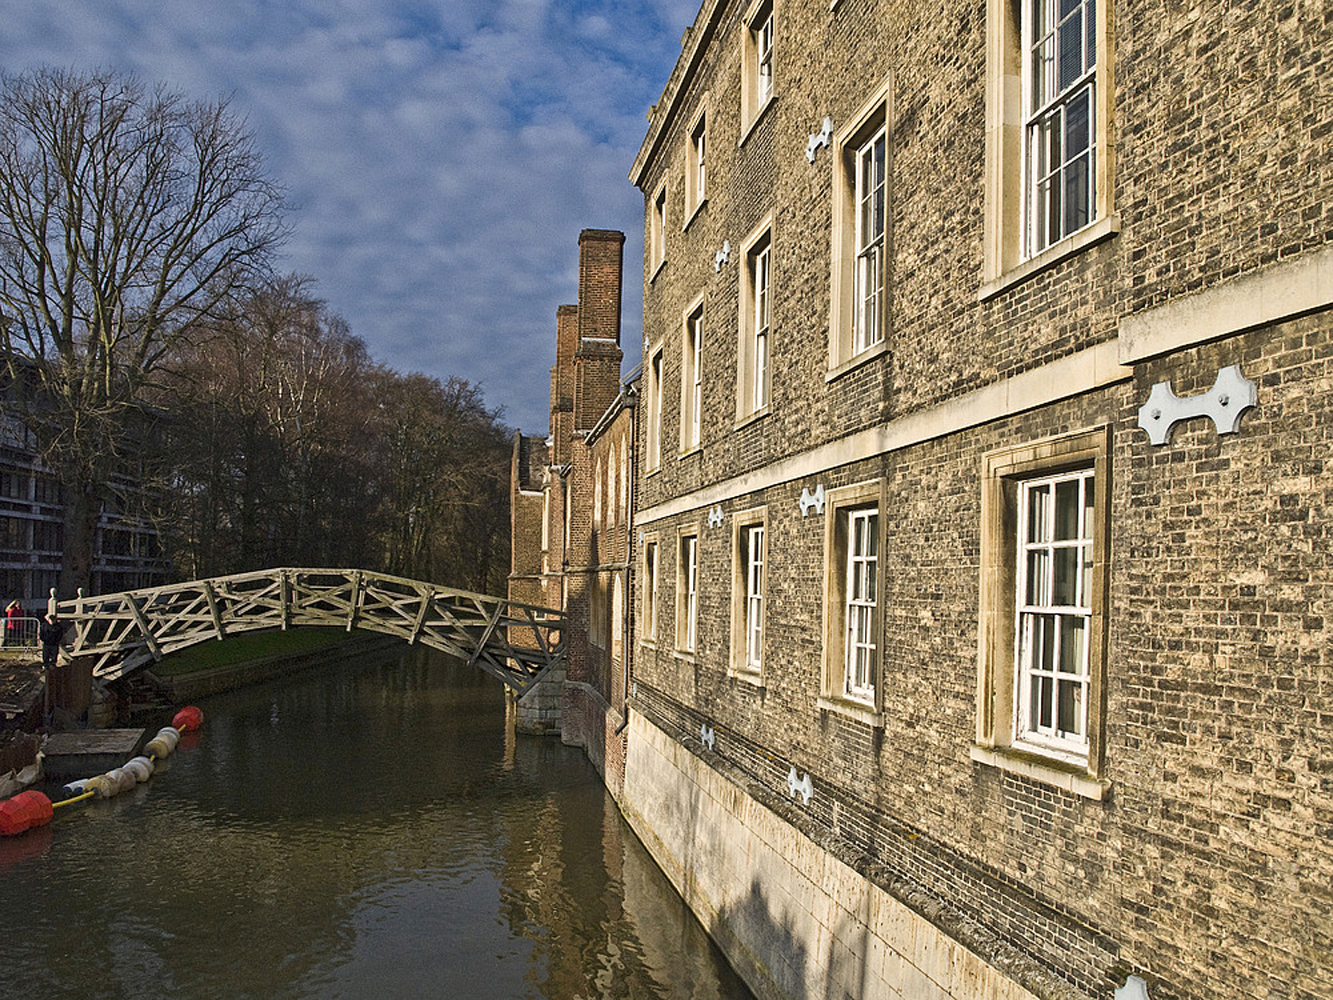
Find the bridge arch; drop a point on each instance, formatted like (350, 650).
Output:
(517, 643)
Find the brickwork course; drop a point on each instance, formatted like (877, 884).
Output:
(1195, 848)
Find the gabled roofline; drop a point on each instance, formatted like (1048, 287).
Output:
(692, 49)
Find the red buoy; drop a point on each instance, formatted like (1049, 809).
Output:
(188, 718)
(23, 812)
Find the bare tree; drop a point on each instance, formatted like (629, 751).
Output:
(445, 479)
(128, 218)
(269, 454)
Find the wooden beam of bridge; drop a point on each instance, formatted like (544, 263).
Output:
(517, 643)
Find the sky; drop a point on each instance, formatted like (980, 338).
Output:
(440, 156)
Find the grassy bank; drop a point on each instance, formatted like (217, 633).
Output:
(250, 646)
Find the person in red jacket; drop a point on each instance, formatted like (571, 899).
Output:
(13, 624)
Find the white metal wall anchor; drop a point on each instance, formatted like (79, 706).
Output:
(722, 256)
(803, 785)
(715, 516)
(1231, 395)
(823, 137)
(815, 500)
(1134, 989)
(707, 736)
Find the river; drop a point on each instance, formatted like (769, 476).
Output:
(367, 831)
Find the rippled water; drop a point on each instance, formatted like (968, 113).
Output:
(366, 832)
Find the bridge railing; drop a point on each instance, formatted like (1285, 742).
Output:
(515, 642)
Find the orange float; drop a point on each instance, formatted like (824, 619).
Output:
(23, 812)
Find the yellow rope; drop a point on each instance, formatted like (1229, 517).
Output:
(77, 798)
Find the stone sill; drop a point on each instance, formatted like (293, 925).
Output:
(857, 360)
(750, 418)
(750, 678)
(694, 214)
(758, 117)
(852, 710)
(1100, 230)
(1071, 778)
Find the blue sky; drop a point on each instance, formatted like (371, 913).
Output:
(440, 156)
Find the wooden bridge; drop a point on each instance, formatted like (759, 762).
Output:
(517, 643)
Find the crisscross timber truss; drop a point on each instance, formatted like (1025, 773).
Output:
(515, 642)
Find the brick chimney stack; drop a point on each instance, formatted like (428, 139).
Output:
(597, 360)
(563, 377)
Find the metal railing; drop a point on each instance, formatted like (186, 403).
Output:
(19, 633)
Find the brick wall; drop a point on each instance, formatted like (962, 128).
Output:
(1218, 712)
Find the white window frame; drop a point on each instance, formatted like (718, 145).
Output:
(1015, 246)
(691, 378)
(749, 544)
(757, 84)
(597, 493)
(761, 278)
(868, 284)
(1050, 107)
(657, 228)
(762, 28)
(754, 350)
(696, 169)
(652, 568)
(687, 590)
(861, 607)
(854, 596)
(753, 562)
(1045, 624)
(653, 418)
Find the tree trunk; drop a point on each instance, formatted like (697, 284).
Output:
(82, 507)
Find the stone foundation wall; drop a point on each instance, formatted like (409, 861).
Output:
(793, 919)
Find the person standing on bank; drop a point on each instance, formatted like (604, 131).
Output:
(13, 623)
(52, 628)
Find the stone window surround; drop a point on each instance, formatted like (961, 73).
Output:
(741, 523)
(1006, 261)
(651, 572)
(696, 199)
(657, 228)
(691, 364)
(875, 113)
(684, 647)
(761, 236)
(869, 494)
(752, 104)
(996, 743)
(652, 428)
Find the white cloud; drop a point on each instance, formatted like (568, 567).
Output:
(441, 157)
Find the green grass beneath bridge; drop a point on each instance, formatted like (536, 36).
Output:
(250, 646)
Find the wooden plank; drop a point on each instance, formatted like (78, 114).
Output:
(86, 752)
(144, 627)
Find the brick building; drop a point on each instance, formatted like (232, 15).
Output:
(981, 524)
(570, 508)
